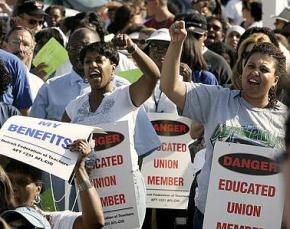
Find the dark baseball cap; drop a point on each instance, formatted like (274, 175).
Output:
(29, 8)
(196, 22)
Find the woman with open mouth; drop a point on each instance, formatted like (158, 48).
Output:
(253, 110)
(105, 104)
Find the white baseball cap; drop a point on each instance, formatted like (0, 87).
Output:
(160, 35)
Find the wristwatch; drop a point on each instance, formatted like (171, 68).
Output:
(132, 49)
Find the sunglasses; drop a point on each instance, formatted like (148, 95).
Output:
(158, 47)
(35, 22)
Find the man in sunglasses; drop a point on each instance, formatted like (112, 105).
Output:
(29, 15)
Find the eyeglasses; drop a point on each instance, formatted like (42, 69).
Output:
(158, 47)
(31, 21)
(34, 22)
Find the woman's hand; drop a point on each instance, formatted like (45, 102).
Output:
(83, 148)
(177, 31)
(123, 41)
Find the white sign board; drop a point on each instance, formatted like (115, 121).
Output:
(245, 188)
(168, 172)
(42, 143)
(112, 176)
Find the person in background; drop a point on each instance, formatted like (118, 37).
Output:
(228, 53)
(201, 6)
(249, 109)
(41, 38)
(6, 110)
(160, 16)
(215, 30)
(252, 14)
(122, 20)
(192, 56)
(28, 15)
(157, 45)
(233, 35)
(27, 184)
(140, 37)
(18, 92)
(20, 42)
(233, 11)
(283, 18)
(54, 15)
(57, 92)
(196, 23)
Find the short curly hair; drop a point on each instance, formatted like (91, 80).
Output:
(106, 49)
(241, 53)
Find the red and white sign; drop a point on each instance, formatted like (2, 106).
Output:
(168, 172)
(245, 188)
(112, 176)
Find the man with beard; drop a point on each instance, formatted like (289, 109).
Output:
(20, 42)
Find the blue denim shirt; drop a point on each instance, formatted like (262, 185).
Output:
(18, 92)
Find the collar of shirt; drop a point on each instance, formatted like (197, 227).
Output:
(75, 78)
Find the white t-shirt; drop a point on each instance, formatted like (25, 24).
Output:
(233, 10)
(63, 219)
(159, 102)
(115, 106)
(224, 113)
(35, 83)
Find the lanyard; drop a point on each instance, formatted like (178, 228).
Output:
(157, 100)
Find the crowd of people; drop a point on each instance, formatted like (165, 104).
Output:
(211, 61)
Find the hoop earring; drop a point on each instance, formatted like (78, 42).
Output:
(37, 199)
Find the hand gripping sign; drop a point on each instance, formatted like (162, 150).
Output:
(245, 188)
(42, 143)
(168, 171)
(111, 173)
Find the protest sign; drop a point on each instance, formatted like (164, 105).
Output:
(53, 54)
(131, 75)
(168, 171)
(111, 174)
(245, 188)
(42, 143)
